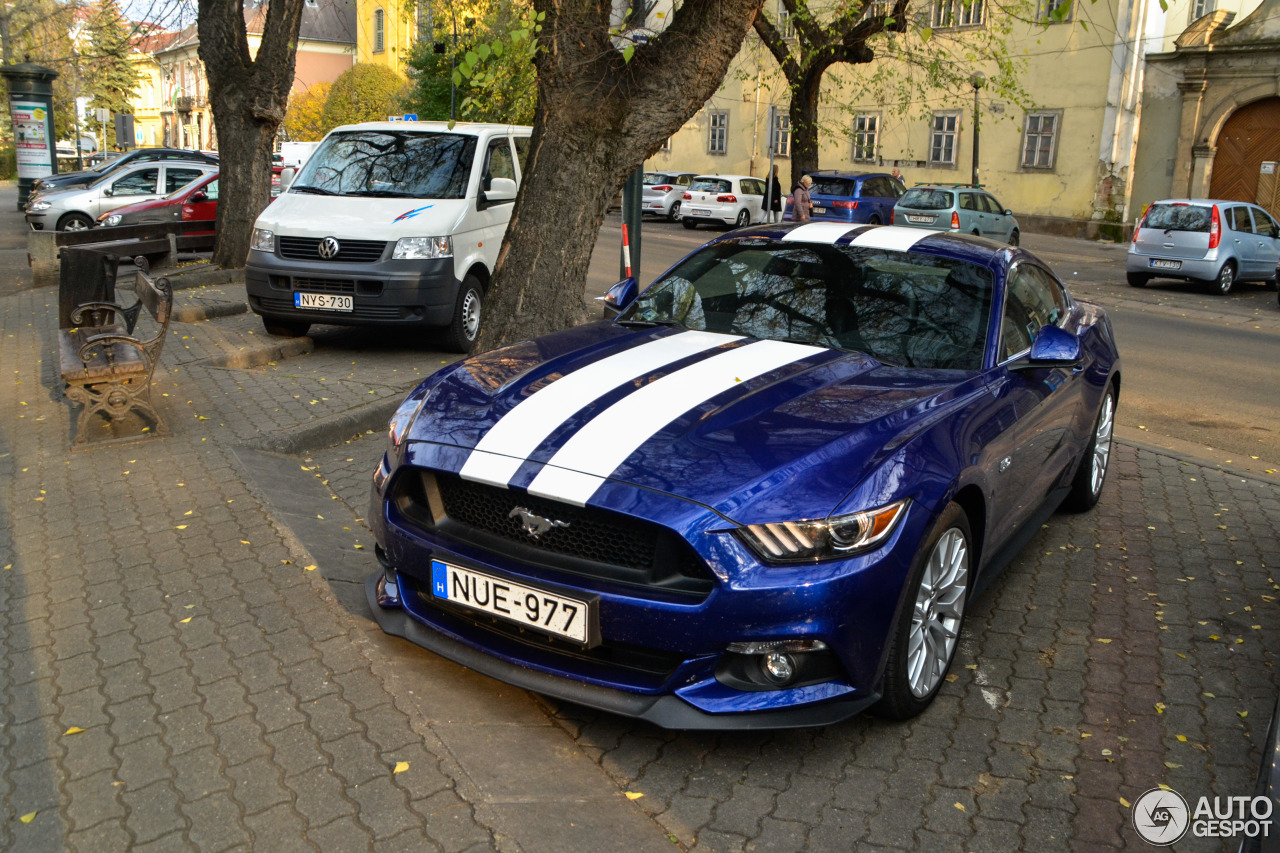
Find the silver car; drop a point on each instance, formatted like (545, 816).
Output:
(663, 192)
(78, 208)
(962, 208)
(1212, 241)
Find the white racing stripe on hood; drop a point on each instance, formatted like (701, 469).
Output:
(595, 451)
(819, 232)
(508, 443)
(892, 237)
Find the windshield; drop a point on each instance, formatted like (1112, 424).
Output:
(903, 309)
(1178, 217)
(922, 199)
(390, 163)
(710, 185)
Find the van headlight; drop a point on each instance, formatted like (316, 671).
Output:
(422, 248)
(263, 240)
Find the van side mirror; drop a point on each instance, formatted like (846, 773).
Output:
(620, 297)
(501, 191)
(287, 174)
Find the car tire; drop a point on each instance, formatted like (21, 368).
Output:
(673, 215)
(743, 220)
(1091, 473)
(75, 222)
(688, 223)
(1137, 279)
(1226, 279)
(913, 676)
(465, 327)
(875, 220)
(285, 328)
(1014, 237)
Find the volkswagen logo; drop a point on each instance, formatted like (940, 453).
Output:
(328, 248)
(535, 525)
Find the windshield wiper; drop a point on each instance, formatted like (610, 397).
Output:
(382, 194)
(311, 189)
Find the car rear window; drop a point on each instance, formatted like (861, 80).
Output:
(926, 199)
(1178, 217)
(654, 178)
(711, 185)
(832, 186)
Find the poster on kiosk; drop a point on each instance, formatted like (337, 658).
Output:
(32, 127)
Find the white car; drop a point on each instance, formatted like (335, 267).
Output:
(663, 193)
(729, 199)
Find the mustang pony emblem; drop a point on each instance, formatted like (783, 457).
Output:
(535, 525)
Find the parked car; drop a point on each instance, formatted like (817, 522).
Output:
(663, 193)
(853, 197)
(113, 161)
(961, 208)
(195, 202)
(1211, 241)
(388, 223)
(77, 208)
(765, 495)
(723, 199)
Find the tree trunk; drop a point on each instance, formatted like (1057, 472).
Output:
(249, 97)
(804, 122)
(597, 119)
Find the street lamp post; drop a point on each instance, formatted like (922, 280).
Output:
(977, 80)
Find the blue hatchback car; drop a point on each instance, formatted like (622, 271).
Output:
(765, 495)
(853, 197)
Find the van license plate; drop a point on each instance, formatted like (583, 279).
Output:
(513, 602)
(322, 301)
(1161, 264)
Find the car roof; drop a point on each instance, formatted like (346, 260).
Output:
(731, 177)
(951, 187)
(976, 250)
(1203, 202)
(836, 173)
(463, 127)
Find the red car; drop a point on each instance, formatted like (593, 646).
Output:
(197, 201)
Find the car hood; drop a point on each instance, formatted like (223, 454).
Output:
(298, 214)
(789, 437)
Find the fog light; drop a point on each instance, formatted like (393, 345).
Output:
(779, 667)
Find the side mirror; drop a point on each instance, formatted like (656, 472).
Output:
(106, 191)
(197, 196)
(500, 189)
(1008, 213)
(1052, 348)
(287, 174)
(619, 297)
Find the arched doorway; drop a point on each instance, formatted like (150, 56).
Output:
(1249, 137)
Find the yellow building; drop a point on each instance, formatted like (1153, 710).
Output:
(148, 102)
(385, 32)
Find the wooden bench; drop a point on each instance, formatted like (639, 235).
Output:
(106, 367)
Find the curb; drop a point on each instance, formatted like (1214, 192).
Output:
(180, 280)
(209, 310)
(260, 355)
(331, 430)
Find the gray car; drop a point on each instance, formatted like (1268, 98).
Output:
(962, 208)
(1213, 241)
(78, 208)
(663, 192)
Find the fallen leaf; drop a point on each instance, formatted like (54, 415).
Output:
(1102, 640)
(310, 568)
(401, 766)
(960, 806)
(1181, 738)
(28, 817)
(951, 677)
(1124, 802)
(1106, 752)
(1172, 766)
(181, 527)
(1242, 714)
(74, 730)
(184, 621)
(634, 795)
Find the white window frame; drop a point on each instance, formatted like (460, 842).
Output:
(780, 132)
(944, 124)
(1200, 8)
(666, 146)
(1046, 7)
(786, 26)
(379, 31)
(949, 14)
(718, 132)
(1035, 139)
(866, 138)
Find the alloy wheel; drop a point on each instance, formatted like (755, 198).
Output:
(939, 609)
(1102, 443)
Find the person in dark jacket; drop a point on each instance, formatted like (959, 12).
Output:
(775, 197)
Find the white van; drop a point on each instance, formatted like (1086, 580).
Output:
(388, 223)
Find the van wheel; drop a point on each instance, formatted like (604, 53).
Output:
(461, 336)
(285, 328)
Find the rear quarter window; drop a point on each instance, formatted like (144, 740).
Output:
(923, 199)
(1178, 217)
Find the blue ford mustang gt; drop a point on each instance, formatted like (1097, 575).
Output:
(763, 495)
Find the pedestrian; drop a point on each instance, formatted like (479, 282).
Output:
(801, 204)
(775, 196)
(898, 175)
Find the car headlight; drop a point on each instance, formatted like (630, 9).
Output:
(263, 240)
(113, 219)
(822, 539)
(423, 248)
(39, 205)
(398, 428)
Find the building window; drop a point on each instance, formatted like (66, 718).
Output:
(1054, 11)
(718, 137)
(1040, 139)
(942, 138)
(379, 31)
(866, 134)
(786, 26)
(666, 146)
(1200, 8)
(956, 13)
(779, 132)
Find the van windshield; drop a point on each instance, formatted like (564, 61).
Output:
(389, 164)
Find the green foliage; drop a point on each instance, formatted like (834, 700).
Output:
(365, 92)
(112, 79)
(490, 66)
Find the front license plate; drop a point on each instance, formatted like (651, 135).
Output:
(923, 220)
(322, 301)
(524, 605)
(1161, 264)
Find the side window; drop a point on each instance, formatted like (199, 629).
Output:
(1032, 299)
(1244, 222)
(139, 183)
(990, 205)
(176, 179)
(968, 201)
(500, 164)
(211, 190)
(1234, 219)
(874, 188)
(522, 151)
(1265, 224)
(683, 180)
